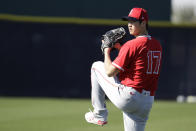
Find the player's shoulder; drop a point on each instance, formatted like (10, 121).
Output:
(140, 40)
(155, 41)
(130, 45)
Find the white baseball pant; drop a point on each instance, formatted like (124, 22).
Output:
(134, 105)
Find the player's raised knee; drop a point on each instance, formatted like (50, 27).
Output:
(97, 64)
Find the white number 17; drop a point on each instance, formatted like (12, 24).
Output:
(154, 58)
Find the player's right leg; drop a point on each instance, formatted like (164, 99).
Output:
(136, 121)
(133, 124)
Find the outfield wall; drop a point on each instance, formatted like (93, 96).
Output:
(54, 59)
(107, 9)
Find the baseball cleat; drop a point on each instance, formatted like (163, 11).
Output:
(94, 118)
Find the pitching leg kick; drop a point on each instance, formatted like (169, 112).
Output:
(125, 98)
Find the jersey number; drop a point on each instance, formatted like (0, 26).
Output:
(154, 58)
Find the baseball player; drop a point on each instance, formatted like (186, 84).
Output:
(138, 67)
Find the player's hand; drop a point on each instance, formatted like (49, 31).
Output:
(117, 46)
(107, 49)
(111, 37)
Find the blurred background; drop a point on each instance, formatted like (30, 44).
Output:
(47, 47)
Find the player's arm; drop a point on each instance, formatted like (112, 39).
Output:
(109, 68)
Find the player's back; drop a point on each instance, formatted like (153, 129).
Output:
(149, 62)
(144, 63)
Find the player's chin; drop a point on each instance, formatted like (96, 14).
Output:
(131, 32)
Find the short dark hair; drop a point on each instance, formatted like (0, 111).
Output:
(147, 26)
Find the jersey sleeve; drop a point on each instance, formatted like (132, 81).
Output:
(124, 57)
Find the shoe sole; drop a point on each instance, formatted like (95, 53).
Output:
(99, 122)
(92, 121)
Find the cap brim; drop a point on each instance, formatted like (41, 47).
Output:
(126, 18)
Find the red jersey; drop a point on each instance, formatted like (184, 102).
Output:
(139, 61)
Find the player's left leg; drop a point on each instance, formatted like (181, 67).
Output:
(100, 113)
(103, 85)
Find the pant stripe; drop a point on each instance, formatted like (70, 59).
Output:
(115, 85)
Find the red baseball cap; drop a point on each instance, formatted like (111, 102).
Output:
(137, 14)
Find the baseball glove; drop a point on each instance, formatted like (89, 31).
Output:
(111, 37)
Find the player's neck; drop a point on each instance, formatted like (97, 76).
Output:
(143, 33)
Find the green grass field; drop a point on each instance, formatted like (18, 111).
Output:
(45, 114)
